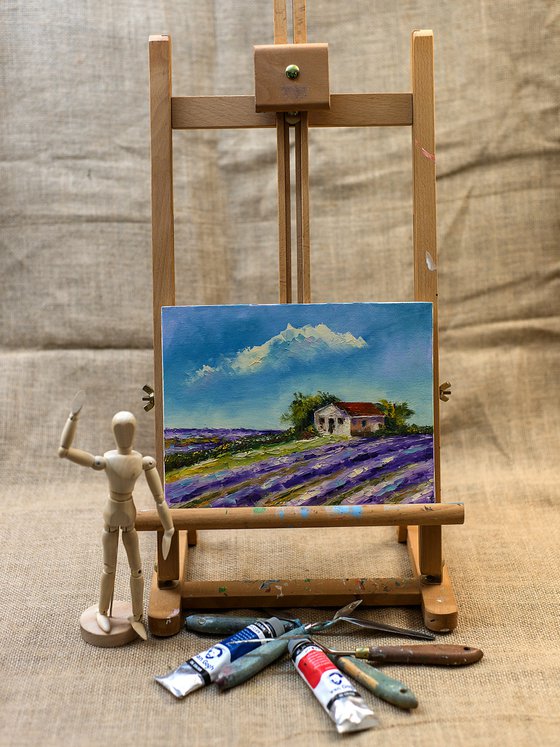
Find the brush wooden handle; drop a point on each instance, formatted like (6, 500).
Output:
(384, 687)
(438, 654)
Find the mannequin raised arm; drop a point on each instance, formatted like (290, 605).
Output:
(65, 450)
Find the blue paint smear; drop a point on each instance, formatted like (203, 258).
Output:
(305, 512)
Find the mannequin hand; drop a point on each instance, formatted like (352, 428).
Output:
(166, 542)
(77, 404)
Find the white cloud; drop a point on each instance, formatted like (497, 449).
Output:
(302, 344)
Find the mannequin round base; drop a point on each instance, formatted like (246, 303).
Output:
(121, 631)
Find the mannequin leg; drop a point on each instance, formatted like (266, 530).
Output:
(130, 541)
(110, 542)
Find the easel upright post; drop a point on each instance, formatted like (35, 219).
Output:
(425, 248)
(163, 257)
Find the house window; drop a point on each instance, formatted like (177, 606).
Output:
(322, 421)
(364, 423)
(340, 421)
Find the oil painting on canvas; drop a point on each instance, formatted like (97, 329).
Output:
(298, 405)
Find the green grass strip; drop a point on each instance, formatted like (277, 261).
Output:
(242, 459)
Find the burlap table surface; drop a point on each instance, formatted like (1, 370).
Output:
(76, 314)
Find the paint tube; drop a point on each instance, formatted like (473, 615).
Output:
(203, 668)
(334, 692)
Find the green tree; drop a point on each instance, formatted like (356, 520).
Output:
(396, 414)
(302, 407)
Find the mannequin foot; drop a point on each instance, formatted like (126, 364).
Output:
(138, 626)
(103, 622)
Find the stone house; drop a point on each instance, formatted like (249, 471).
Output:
(348, 419)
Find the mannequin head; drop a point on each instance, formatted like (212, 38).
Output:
(124, 427)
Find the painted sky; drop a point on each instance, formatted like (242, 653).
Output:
(238, 366)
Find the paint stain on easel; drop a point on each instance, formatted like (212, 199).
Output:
(266, 585)
(362, 584)
(222, 590)
(343, 510)
(426, 153)
(430, 262)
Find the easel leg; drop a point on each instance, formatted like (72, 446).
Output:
(192, 538)
(402, 534)
(439, 607)
(430, 553)
(164, 610)
(168, 568)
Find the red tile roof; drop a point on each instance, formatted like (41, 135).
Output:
(358, 408)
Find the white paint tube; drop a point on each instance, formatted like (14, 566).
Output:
(205, 667)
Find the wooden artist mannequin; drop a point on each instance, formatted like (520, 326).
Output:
(123, 467)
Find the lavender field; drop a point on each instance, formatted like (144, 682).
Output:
(322, 471)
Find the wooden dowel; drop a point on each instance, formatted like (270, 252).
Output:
(284, 210)
(347, 110)
(428, 514)
(302, 210)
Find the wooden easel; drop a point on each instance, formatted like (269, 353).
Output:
(307, 104)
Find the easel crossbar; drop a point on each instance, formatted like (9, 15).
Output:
(428, 514)
(325, 592)
(236, 112)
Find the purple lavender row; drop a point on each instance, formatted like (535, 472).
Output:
(424, 496)
(197, 446)
(333, 487)
(376, 466)
(327, 460)
(181, 490)
(402, 483)
(410, 475)
(322, 460)
(223, 434)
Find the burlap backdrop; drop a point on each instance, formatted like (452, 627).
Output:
(76, 313)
